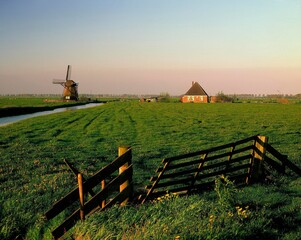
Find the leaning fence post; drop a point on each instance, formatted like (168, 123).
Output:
(258, 158)
(121, 151)
(81, 195)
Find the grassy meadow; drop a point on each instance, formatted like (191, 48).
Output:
(33, 174)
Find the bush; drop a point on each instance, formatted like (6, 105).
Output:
(221, 97)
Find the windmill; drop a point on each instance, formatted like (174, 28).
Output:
(70, 87)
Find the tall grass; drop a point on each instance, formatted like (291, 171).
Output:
(33, 175)
(227, 213)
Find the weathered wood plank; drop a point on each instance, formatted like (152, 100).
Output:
(278, 167)
(244, 149)
(274, 152)
(103, 194)
(293, 167)
(202, 176)
(126, 193)
(76, 172)
(197, 173)
(72, 196)
(81, 196)
(183, 164)
(283, 159)
(196, 188)
(176, 174)
(209, 150)
(62, 204)
(108, 170)
(258, 158)
(174, 182)
(207, 167)
(121, 151)
(66, 225)
(224, 171)
(155, 183)
(218, 156)
(225, 163)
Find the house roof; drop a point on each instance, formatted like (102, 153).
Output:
(196, 89)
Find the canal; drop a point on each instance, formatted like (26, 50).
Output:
(12, 119)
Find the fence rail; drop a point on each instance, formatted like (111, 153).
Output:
(121, 187)
(279, 161)
(194, 171)
(243, 161)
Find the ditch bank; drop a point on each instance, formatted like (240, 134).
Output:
(16, 111)
(11, 119)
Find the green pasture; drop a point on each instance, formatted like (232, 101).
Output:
(33, 174)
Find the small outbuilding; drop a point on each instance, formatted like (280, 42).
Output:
(196, 94)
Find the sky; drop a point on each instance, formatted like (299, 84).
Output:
(151, 46)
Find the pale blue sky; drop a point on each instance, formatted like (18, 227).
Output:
(151, 46)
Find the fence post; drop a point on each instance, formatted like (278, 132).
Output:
(121, 151)
(103, 184)
(258, 158)
(81, 195)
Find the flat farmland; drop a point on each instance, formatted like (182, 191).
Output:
(33, 174)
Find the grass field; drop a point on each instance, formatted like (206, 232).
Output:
(33, 174)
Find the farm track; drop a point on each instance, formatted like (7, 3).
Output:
(90, 123)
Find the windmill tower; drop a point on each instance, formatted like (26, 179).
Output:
(70, 87)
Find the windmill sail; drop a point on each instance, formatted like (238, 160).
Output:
(58, 81)
(68, 76)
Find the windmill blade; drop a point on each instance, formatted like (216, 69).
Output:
(68, 76)
(58, 81)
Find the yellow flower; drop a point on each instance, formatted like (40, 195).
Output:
(241, 212)
(177, 237)
(230, 214)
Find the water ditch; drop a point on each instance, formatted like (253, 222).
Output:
(12, 119)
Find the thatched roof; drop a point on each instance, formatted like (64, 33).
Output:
(196, 89)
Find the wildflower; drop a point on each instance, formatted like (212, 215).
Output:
(177, 237)
(230, 214)
(243, 213)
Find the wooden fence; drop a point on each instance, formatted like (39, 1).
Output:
(242, 161)
(118, 190)
(274, 160)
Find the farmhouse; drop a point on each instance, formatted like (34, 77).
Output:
(195, 94)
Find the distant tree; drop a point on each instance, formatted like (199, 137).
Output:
(224, 98)
(164, 97)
